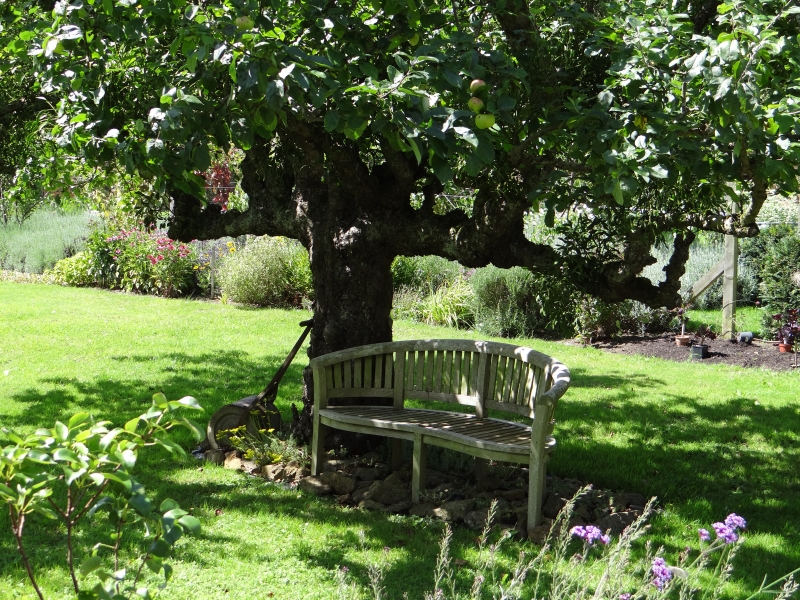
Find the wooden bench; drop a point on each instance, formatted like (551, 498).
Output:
(487, 376)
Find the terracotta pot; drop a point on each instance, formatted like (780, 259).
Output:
(698, 351)
(683, 340)
(784, 347)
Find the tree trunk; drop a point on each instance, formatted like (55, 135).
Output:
(352, 303)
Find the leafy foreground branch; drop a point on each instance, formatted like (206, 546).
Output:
(71, 471)
(597, 569)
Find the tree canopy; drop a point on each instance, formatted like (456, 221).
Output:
(635, 122)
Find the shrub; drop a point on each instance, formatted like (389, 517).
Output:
(514, 302)
(780, 274)
(72, 271)
(70, 472)
(423, 273)
(137, 260)
(267, 272)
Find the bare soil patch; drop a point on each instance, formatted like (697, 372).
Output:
(760, 353)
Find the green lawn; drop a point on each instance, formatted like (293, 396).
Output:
(707, 440)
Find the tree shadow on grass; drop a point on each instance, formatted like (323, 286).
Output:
(702, 460)
(214, 379)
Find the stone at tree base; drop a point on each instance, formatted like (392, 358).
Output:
(475, 519)
(371, 504)
(313, 485)
(399, 508)
(215, 457)
(539, 534)
(582, 511)
(251, 467)
(616, 522)
(274, 472)
(489, 484)
(512, 495)
(232, 461)
(343, 499)
(390, 491)
(398, 477)
(341, 484)
(434, 478)
(334, 464)
(423, 510)
(632, 499)
(553, 505)
(370, 458)
(455, 510)
(369, 473)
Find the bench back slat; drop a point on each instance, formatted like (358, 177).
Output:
(486, 375)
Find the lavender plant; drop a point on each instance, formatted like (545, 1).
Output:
(598, 568)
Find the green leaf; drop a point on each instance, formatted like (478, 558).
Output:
(154, 564)
(331, 120)
(192, 524)
(141, 504)
(106, 440)
(160, 400)
(77, 419)
(696, 64)
(617, 193)
(92, 563)
(605, 98)
(131, 425)
(128, 458)
(44, 511)
(659, 172)
(61, 431)
(413, 143)
(467, 134)
(453, 78)
(168, 504)
(65, 455)
(160, 549)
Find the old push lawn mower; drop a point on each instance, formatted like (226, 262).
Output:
(258, 411)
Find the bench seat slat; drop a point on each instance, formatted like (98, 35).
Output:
(434, 423)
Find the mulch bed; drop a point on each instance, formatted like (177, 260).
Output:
(760, 353)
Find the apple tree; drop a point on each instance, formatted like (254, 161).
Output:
(634, 122)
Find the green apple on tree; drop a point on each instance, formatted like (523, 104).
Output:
(484, 121)
(475, 104)
(244, 22)
(476, 85)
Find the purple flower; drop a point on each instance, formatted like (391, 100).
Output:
(625, 596)
(725, 533)
(704, 535)
(589, 534)
(735, 522)
(661, 573)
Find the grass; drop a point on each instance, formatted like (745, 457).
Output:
(748, 318)
(41, 241)
(707, 440)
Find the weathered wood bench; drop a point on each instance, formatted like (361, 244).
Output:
(487, 376)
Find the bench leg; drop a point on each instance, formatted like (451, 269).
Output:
(397, 454)
(418, 476)
(536, 479)
(481, 469)
(318, 447)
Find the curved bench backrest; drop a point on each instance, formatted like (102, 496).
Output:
(486, 375)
